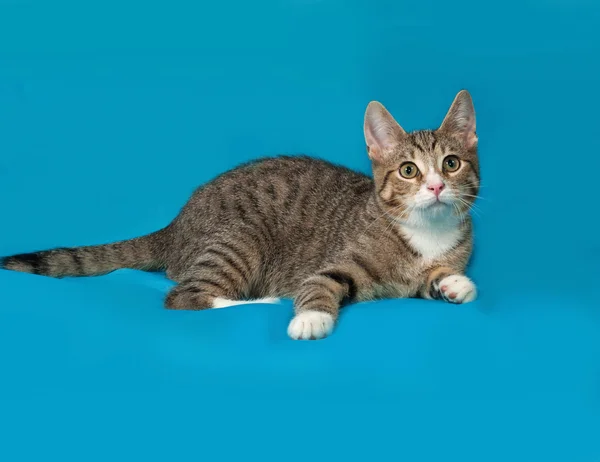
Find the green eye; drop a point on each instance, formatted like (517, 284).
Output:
(451, 164)
(408, 170)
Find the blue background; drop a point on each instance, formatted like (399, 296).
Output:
(111, 113)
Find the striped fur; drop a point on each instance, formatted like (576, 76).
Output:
(144, 253)
(303, 228)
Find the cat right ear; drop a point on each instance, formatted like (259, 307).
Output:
(382, 132)
(460, 120)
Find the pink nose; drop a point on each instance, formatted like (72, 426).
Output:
(436, 188)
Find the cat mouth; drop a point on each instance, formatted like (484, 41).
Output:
(435, 204)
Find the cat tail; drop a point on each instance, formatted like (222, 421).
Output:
(145, 253)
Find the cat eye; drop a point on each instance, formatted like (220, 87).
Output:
(408, 170)
(451, 164)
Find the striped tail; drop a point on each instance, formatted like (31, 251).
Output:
(145, 253)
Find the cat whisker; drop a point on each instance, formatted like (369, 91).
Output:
(476, 197)
(461, 216)
(385, 212)
(394, 219)
(470, 206)
(476, 184)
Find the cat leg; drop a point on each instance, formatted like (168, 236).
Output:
(219, 275)
(446, 284)
(193, 295)
(318, 303)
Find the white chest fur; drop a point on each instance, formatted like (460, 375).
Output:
(432, 241)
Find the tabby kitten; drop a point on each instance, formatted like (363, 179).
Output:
(322, 234)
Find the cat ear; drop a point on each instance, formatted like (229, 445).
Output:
(460, 120)
(382, 132)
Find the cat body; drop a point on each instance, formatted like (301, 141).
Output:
(324, 235)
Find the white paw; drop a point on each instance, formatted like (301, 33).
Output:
(310, 325)
(458, 289)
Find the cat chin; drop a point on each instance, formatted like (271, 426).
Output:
(436, 213)
(435, 208)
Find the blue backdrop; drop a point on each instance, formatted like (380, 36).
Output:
(111, 113)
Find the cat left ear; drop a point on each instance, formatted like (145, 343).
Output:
(382, 132)
(460, 120)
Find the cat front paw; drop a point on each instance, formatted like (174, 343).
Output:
(311, 325)
(457, 288)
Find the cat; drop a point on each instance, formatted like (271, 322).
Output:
(324, 235)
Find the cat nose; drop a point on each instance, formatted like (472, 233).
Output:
(436, 188)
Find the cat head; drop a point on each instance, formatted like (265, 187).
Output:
(425, 175)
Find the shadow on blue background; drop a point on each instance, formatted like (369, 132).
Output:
(111, 113)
